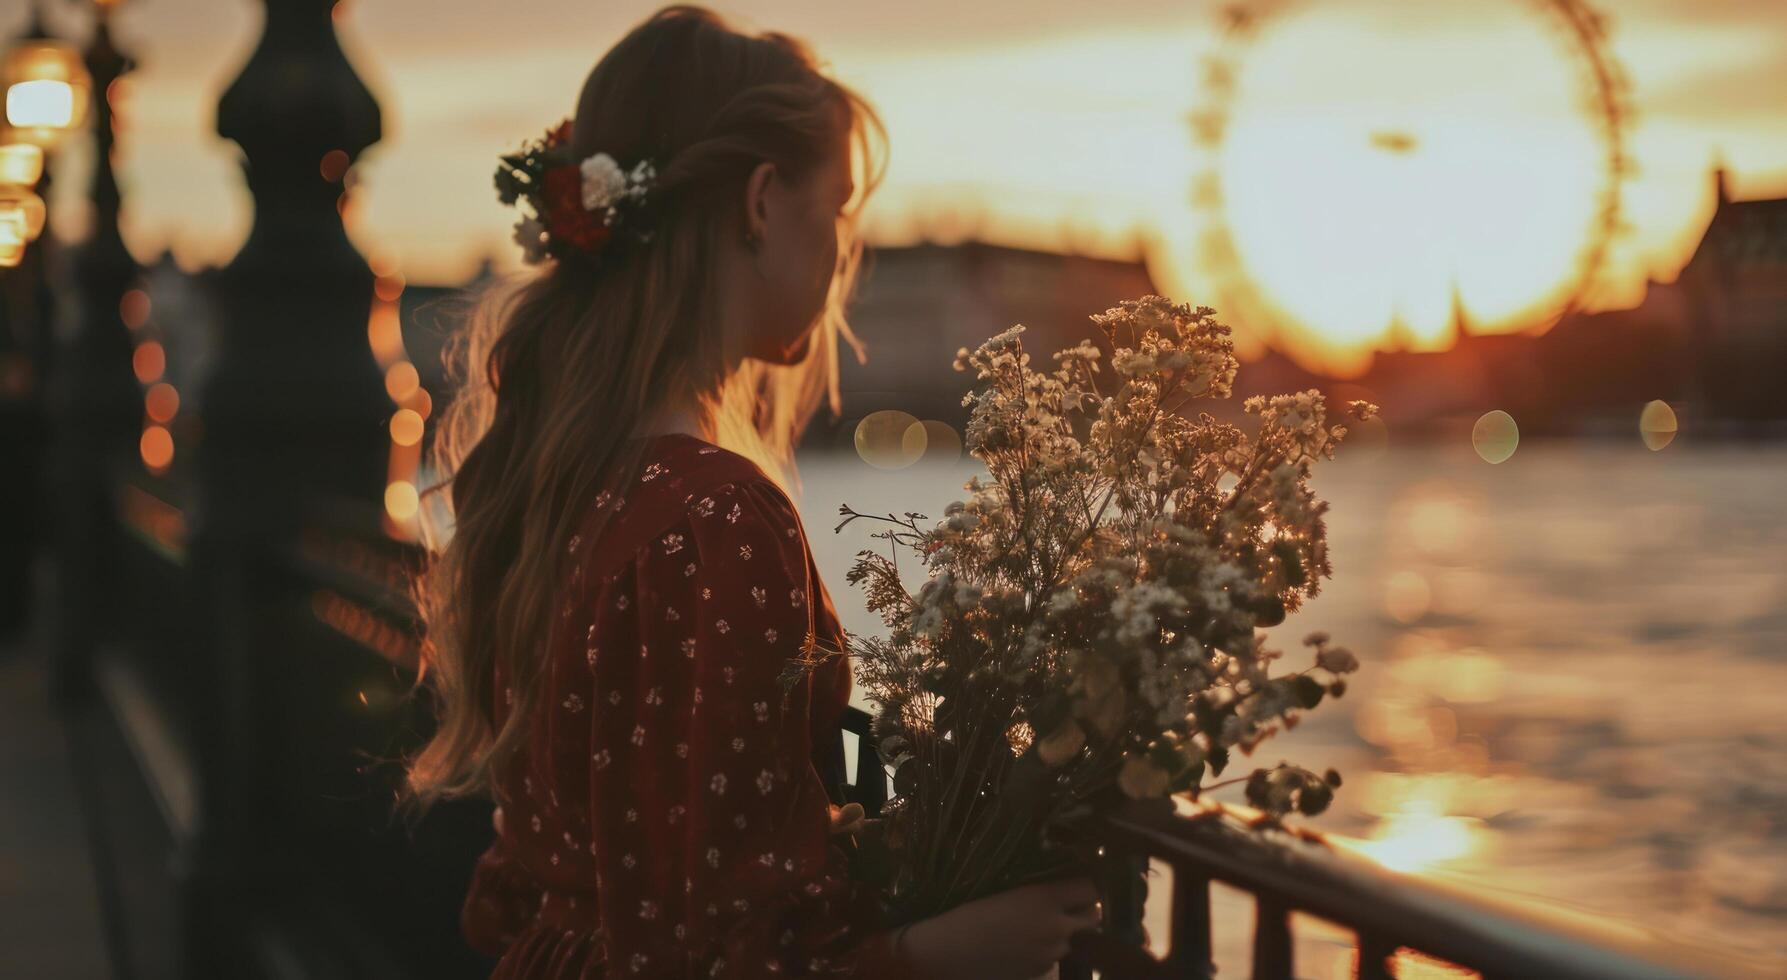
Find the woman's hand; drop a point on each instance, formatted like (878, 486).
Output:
(1014, 935)
(847, 819)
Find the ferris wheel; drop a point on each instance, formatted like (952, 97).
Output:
(1602, 102)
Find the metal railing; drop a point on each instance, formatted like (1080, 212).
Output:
(1290, 872)
(337, 609)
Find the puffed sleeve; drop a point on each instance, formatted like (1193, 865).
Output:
(716, 860)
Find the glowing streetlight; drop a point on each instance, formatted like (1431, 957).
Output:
(12, 238)
(26, 205)
(47, 87)
(21, 164)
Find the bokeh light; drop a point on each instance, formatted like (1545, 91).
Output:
(1495, 436)
(12, 238)
(334, 165)
(401, 380)
(157, 447)
(149, 361)
(406, 427)
(1407, 596)
(44, 102)
(133, 309)
(1657, 425)
(25, 209)
(384, 332)
(890, 439)
(401, 500)
(21, 164)
(420, 402)
(162, 402)
(940, 442)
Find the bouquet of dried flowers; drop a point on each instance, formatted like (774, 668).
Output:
(1089, 625)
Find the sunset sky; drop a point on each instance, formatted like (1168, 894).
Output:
(1063, 125)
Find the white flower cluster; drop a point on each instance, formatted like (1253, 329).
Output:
(606, 185)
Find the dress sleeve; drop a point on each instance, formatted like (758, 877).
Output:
(715, 857)
(500, 902)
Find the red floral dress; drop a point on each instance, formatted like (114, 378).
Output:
(668, 816)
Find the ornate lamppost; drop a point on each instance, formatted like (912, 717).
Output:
(293, 409)
(93, 396)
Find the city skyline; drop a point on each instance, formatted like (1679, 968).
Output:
(1087, 112)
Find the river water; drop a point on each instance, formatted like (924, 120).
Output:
(1574, 692)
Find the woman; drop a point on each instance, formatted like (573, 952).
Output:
(627, 580)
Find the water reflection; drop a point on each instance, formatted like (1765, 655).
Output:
(1417, 828)
(1569, 691)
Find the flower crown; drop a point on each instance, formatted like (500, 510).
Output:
(571, 203)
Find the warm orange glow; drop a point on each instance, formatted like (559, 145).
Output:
(157, 447)
(21, 164)
(406, 427)
(334, 164)
(1657, 425)
(47, 89)
(388, 288)
(133, 309)
(401, 380)
(12, 238)
(1418, 825)
(401, 501)
(419, 402)
(384, 332)
(149, 362)
(162, 402)
(1420, 838)
(1367, 200)
(1407, 596)
(22, 206)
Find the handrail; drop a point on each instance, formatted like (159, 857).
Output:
(1288, 872)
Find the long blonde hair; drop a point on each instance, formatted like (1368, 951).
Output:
(554, 370)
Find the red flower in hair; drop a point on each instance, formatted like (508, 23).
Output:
(564, 216)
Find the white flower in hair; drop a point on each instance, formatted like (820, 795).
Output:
(603, 182)
(643, 173)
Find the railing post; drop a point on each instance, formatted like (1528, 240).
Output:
(293, 411)
(1189, 952)
(1375, 956)
(1272, 958)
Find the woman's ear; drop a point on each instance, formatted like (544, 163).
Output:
(757, 188)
